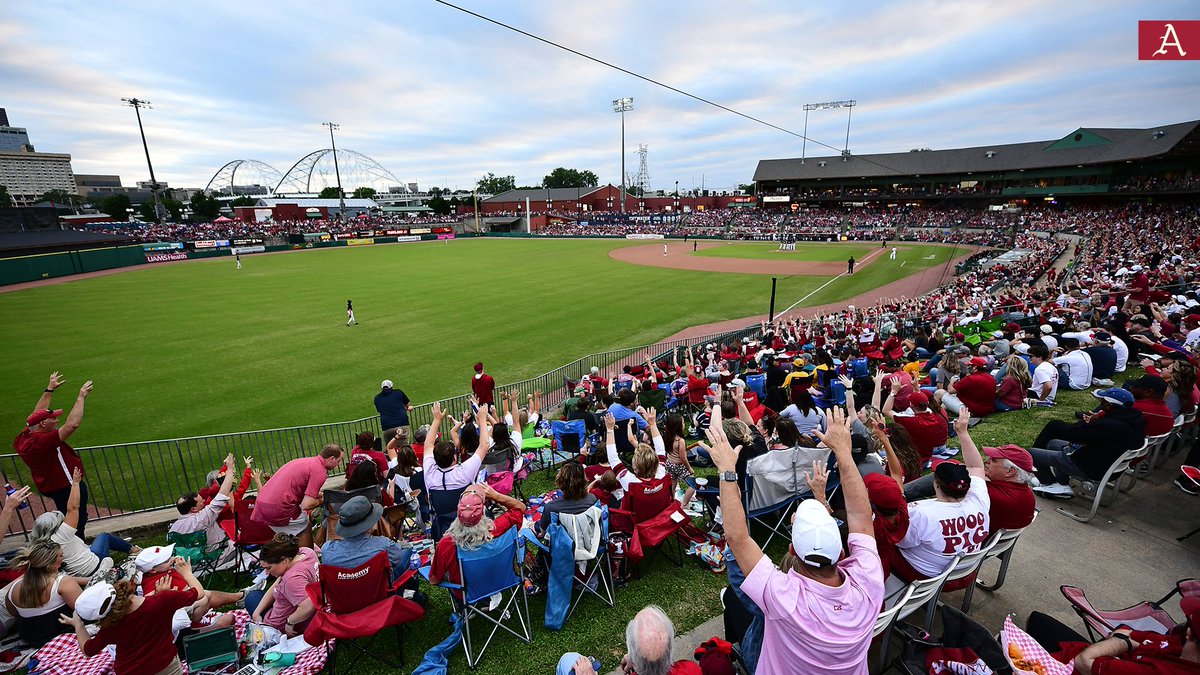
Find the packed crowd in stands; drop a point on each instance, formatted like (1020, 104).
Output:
(237, 229)
(869, 397)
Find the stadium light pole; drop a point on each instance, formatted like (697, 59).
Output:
(623, 105)
(336, 171)
(827, 106)
(137, 104)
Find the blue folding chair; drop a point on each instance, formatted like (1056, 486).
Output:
(593, 575)
(569, 439)
(443, 507)
(758, 384)
(493, 569)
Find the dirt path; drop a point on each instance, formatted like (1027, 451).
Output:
(911, 286)
(679, 257)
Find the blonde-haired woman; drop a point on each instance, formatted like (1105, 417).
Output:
(1013, 388)
(43, 594)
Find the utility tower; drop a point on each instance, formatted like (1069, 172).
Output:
(642, 179)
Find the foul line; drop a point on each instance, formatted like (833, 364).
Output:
(822, 286)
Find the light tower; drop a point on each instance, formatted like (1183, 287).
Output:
(137, 104)
(622, 106)
(337, 172)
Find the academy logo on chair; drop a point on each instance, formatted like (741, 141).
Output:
(1169, 40)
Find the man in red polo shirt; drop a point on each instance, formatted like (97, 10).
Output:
(928, 430)
(977, 391)
(1009, 473)
(483, 386)
(43, 447)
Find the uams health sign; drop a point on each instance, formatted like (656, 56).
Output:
(1169, 40)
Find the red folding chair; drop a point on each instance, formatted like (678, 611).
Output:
(1147, 615)
(357, 604)
(652, 517)
(247, 535)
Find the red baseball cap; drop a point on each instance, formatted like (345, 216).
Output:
(470, 509)
(959, 336)
(918, 398)
(883, 491)
(40, 416)
(1019, 456)
(979, 361)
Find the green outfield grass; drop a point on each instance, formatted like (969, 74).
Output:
(199, 348)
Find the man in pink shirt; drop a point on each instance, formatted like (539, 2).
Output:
(819, 612)
(294, 490)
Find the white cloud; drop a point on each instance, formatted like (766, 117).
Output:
(441, 98)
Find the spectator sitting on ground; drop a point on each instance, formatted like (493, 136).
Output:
(285, 606)
(819, 612)
(295, 489)
(1148, 392)
(159, 563)
(139, 627)
(44, 449)
(1087, 448)
(955, 521)
(393, 407)
(472, 529)
(355, 545)
(1014, 386)
(1074, 365)
(805, 413)
(976, 391)
(1044, 386)
(1104, 358)
(197, 516)
(42, 595)
(78, 558)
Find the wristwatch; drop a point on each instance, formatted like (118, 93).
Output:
(1126, 639)
(729, 476)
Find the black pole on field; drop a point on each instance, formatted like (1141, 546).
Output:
(771, 313)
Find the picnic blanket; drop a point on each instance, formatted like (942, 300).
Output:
(62, 656)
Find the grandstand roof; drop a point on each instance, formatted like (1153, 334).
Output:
(1080, 147)
(542, 194)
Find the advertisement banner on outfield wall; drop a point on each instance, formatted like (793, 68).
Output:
(445, 236)
(164, 257)
(641, 235)
(419, 230)
(316, 236)
(163, 246)
(776, 199)
(359, 242)
(211, 243)
(345, 235)
(396, 233)
(248, 242)
(243, 250)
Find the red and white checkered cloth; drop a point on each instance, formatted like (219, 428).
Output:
(62, 656)
(1030, 650)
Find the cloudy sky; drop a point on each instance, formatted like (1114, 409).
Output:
(439, 97)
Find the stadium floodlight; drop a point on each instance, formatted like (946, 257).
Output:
(337, 172)
(137, 104)
(622, 106)
(827, 105)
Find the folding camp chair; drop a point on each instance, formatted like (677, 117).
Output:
(569, 439)
(652, 517)
(592, 575)
(773, 483)
(212, 652)
(758, 385)
(195, 548)
(1110, 482)
(493, 569)
(959, 631)
(1004, 543)
(1143, 464)
(443, 509)
(886, 621)
(355, 605)
(924, 592)
(1146, 615)
(962, 575)
(247, 534)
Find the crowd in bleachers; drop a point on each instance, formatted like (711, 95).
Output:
(237, 229)
(864, 400)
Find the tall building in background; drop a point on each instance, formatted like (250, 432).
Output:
(12, 139)
(26, 173)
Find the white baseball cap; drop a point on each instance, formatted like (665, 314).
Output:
(1136, 268)
(96, 601)
(815, 535)
(149, 558)
(1022, 348)
(1047, 328)
(387, 384)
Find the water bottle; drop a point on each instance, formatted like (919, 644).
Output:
(9, 489)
